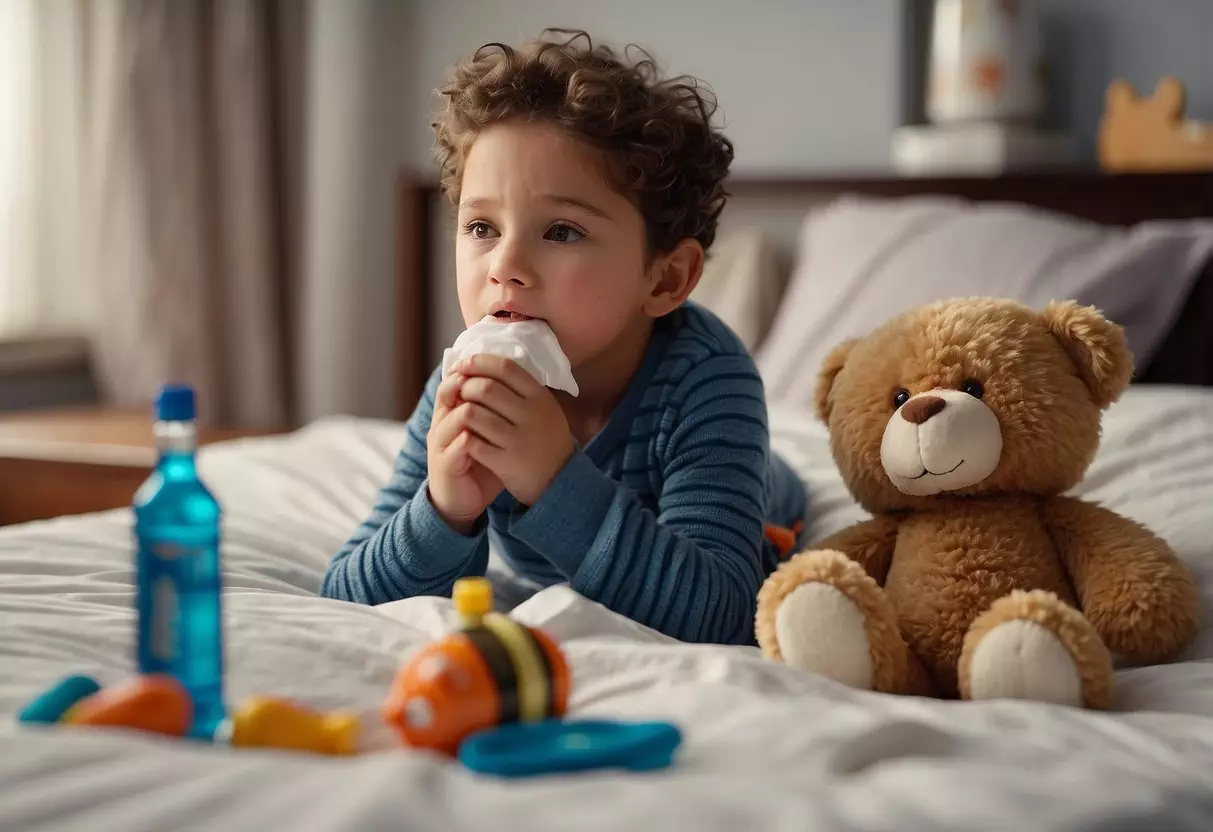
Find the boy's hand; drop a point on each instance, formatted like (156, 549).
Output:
(520, 432)
(460, 487)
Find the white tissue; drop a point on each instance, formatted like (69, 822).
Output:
(531, 344)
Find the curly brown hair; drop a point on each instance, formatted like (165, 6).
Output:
(656, 135)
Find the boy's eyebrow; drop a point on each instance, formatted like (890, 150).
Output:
(571, 201)
(574, 202)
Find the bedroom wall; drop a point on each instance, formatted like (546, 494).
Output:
(835, 65)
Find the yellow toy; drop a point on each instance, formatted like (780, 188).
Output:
(264, 722)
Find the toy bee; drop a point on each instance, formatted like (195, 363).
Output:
(493, 671)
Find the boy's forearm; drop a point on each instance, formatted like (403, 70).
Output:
(615, 551)
(404, 548)
(413, 552)
(564, 523)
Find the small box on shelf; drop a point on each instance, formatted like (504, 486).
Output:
(979, 149)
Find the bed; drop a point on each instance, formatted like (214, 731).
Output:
(765, 747)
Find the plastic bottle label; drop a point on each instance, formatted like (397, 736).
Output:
(163, 639)
(168, 572)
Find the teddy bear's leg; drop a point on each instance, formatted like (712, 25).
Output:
(1031, 645)
(821, 612)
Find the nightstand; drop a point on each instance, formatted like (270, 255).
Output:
(61, 462)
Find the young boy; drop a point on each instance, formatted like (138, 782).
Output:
(587, 194)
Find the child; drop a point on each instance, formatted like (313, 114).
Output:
(588, 193)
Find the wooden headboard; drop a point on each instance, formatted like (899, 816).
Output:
(778, 204)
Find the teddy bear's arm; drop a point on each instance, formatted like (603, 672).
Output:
(1132, 587)
(870, 544)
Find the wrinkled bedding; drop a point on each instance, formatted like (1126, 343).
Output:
(765, 747)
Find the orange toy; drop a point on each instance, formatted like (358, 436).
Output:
(154, 702)
(783, 538)
(494, 671)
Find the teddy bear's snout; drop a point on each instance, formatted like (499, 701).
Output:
(940, 440)
(916, 411)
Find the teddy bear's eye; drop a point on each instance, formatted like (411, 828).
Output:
(900, 397)
(973, 388)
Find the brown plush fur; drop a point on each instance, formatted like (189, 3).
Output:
(942, 570)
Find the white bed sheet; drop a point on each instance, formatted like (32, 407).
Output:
(765, 747)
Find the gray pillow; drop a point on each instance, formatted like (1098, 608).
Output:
(862, 260)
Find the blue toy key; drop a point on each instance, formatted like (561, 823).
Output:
(54, 702)
(552, 746)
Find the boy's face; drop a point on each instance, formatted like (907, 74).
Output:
(542, 234)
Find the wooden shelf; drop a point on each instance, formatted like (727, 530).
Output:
(61, 462)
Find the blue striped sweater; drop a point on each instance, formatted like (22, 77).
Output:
(660, 517)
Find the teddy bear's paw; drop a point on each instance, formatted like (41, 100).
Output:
(821, 612)
(1024, 660)
(819, 629)
(1031, 645)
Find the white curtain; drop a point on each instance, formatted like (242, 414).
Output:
(18, 247)
(158, 233)
(205, 189)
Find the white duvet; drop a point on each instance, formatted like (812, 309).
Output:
(765, 747)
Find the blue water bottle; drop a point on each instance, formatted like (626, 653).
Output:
(177, 535)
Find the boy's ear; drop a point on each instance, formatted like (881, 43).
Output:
(673, 276)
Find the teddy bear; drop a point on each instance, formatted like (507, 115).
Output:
(959, 426)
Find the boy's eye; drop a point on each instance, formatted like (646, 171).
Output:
(479, 230)
(562, 233)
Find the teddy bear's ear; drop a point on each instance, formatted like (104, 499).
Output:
(1096, 346)
(830, 369)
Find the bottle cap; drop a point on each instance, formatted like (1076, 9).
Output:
(175, 403)
(552, 746)
(473, 597)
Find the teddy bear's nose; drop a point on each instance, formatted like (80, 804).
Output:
(917, 411)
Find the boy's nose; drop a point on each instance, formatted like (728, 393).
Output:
(516, 278)
(511, 268)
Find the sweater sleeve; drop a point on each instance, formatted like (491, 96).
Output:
(692, 568)
(404, 548)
